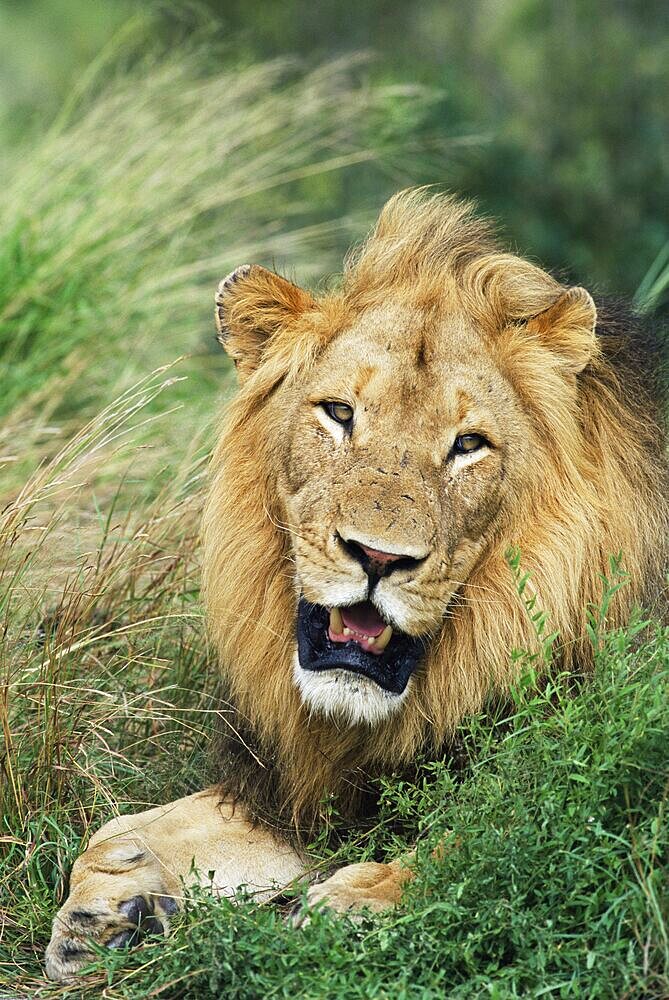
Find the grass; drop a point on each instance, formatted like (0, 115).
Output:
(653, 287)
(161, 176)
(116, 226)
(552, 880)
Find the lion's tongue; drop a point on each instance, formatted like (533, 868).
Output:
(363, 619)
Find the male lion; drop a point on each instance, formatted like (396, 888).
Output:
(390, 441)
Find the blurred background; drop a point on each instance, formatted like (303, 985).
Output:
(158, 133)
(552, 114)
(148, 148)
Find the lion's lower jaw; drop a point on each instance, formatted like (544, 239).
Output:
(347, 697)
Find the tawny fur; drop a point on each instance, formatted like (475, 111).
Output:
(595, 486)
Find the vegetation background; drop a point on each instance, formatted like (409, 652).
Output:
(144, 152)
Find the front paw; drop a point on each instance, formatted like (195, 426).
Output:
(110, 924)
(355, 888)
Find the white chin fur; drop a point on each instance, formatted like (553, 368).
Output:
(345, 696)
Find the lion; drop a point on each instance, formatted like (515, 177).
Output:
(392, 438)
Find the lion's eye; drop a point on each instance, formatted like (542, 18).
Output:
(341, 412)
(467, 443)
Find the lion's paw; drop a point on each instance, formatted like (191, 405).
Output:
(354, 889)
(112, 925)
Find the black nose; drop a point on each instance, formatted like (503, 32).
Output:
(377, 563)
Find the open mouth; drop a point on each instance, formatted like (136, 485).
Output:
(356, 639)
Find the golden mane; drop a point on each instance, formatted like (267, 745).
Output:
(602, 490)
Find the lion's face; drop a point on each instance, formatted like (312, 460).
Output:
(397, 454)
(397, 449)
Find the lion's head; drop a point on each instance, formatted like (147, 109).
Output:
(390, 441)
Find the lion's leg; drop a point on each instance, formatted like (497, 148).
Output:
(131, 876)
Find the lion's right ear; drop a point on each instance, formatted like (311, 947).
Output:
(568, 328)
(252, 305)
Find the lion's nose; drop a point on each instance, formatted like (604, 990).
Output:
(379, 562)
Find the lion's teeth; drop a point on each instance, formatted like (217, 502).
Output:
(385, 637)
(378, 642)
(336, 623)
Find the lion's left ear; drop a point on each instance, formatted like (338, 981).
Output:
(568, 328)
(252, 305)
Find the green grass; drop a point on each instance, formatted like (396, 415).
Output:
(116, 227)
(553, 880)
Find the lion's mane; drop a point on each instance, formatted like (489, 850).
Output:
(602, 491)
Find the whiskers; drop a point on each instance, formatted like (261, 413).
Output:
(460, 598)
(287, 529)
